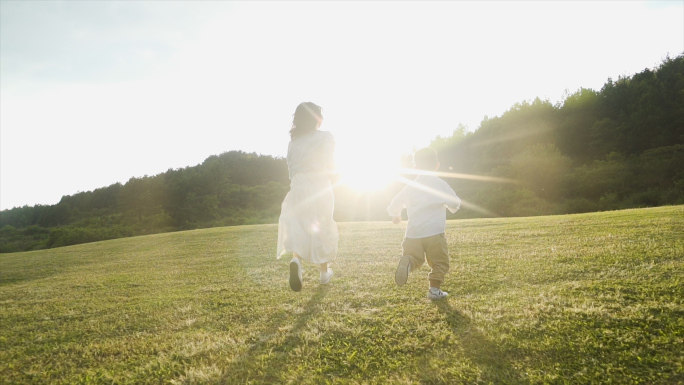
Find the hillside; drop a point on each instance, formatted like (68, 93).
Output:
(616, 148)
(584, 298)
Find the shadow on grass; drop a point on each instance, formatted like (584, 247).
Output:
(488, 356)
(238, 371)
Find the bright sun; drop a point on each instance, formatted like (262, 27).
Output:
(366, 174)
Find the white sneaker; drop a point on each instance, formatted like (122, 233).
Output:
(295, 274)
(435, 294)
(326, 276)
(403, 270)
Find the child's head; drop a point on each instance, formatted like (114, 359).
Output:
(307, 118)
(426, 159)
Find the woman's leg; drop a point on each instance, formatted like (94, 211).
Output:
(326, 273)
(296, 272)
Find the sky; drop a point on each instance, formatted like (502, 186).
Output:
(94, 93)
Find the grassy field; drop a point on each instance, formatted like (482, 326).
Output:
(590, 298)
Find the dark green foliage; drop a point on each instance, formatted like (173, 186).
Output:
(620, 147)
(24, 239)
(233, 188)
(499, 139)
(542, 169)
(65, 236)
(601, 177)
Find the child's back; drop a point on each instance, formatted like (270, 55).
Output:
(426, 200)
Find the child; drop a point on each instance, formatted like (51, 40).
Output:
(425, 200)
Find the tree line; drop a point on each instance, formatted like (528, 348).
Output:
(619, 147)
(233, 188)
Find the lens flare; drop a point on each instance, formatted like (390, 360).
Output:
(464, 204)
(484, 178)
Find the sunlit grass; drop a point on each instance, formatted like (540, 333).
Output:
(591, 298)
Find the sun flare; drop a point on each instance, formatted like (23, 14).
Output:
(363, 174)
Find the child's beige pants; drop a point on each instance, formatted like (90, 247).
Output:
(434, 249)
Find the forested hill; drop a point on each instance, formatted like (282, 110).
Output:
(628, 116)
(620, 147)
(233, 188)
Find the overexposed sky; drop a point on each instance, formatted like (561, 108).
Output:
(94, 93)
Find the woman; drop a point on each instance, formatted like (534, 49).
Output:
(306, 226)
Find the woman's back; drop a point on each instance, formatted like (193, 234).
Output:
(311, 153)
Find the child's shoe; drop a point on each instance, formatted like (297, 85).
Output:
(403, 270)
(295, 274)
(435, 293)
(326, 276)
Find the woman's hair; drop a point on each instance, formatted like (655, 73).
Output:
(307, 118)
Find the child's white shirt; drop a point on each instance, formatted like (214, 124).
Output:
(425, 201)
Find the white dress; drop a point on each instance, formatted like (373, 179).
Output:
(306, 224)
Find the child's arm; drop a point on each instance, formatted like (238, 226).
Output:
(397, 205)
(453, 203)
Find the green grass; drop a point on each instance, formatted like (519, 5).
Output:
(590, 298)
